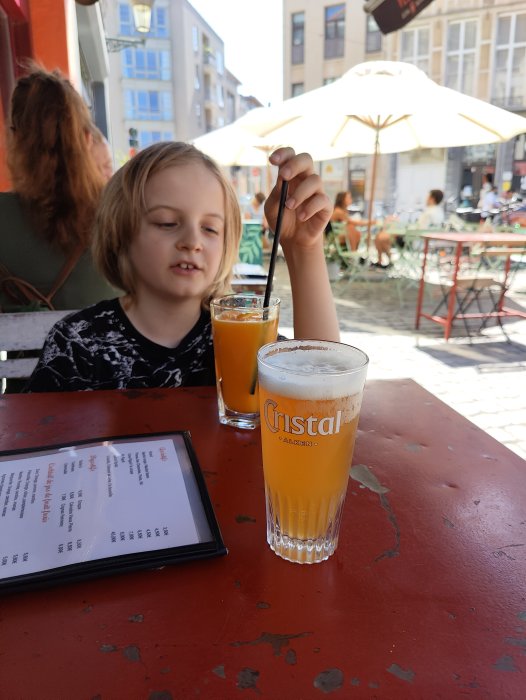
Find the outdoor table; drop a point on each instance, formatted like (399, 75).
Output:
(424, 597)
(461, 241)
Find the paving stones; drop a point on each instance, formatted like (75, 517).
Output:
(483, 378)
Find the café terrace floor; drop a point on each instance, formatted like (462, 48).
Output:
(483, 378)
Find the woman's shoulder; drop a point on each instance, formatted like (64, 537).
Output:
(339, 214)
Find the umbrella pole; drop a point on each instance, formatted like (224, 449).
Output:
(373, 182)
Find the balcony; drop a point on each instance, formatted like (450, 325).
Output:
(209, 60)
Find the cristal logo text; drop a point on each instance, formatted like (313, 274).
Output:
(297, 425)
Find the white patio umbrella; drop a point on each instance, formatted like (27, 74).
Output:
(385, 107)
(235, 145)
(239, 143)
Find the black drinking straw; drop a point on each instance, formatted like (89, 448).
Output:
(272, 264)
(275, 243)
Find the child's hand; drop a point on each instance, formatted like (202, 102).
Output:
(307, 209)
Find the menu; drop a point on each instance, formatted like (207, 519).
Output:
(103, 506)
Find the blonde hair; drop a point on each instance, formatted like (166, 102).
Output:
(49, 162)
(122, 206)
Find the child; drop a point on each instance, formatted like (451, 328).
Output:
(167, 233)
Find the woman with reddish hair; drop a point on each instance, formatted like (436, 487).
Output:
(46, 220)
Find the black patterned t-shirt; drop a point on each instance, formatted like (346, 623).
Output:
(99, 348)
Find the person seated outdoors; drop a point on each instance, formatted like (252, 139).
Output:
(46, 220)
(256, 212)
(488, 200)
(431, 217)
(340, 213)
(101, 152)
(167, 233)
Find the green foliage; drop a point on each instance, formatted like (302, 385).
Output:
(250, 247)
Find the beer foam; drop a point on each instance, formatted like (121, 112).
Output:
(313, 372)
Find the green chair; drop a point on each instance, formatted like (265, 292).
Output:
(251, 246)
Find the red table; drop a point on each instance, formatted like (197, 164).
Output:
(461, 241)
(424, 598)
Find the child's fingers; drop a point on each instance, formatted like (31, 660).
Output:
(280, 155)
(300, 165)
(318, 203)
(303, 189)
(291, 164)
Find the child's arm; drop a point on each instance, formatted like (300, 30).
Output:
(306, 214)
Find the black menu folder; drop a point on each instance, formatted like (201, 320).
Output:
(102, 506)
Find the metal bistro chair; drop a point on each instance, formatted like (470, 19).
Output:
(498, 266)
(350, 261)
(485, 275)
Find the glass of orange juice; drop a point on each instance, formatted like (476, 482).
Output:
(240, 326)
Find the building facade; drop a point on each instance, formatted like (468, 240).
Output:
(171, 83)
(475, 46)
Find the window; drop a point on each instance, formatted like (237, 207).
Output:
(230, 107)
(159, 26)
(220, 64)
(415, 47)
(298, 38)
(334, 31)
(197, 81)
(148, 64)
(148, 104)
(373, 36)
(328, 81)
(220, 95)
(126, 24)
(510, 61)
(195, 39)
(146, 138)
(461, 54)
(297, 89)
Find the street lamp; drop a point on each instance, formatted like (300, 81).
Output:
(142, 18)
(142, 14)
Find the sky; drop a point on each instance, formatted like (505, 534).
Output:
(252, 33)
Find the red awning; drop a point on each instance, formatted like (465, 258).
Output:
(391, 15)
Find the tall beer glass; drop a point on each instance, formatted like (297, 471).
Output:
(310, 394)
(240, 326)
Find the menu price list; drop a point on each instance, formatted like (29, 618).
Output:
(84, 503)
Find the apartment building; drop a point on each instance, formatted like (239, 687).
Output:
(171, 83)
(475, 46)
